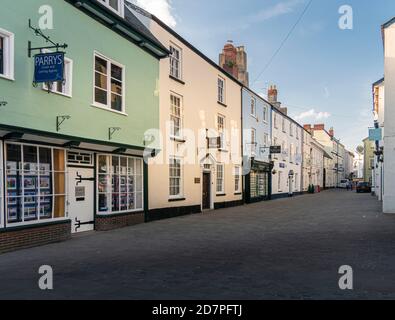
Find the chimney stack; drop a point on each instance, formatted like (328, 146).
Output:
(272, 94)
(332, 132)
(308, 127)
(234, 61)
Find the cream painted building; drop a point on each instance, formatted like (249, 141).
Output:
(200, 163)
(287, 177)
(313, 161)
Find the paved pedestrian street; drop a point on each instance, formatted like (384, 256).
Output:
(283, 249)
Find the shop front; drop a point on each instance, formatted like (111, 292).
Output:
(258, 182)
(51, 188)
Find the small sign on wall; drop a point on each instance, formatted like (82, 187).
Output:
(80, 193)
(197, 180)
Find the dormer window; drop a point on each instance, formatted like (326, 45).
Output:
(114, 5)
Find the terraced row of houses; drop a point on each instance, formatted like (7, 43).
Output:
(143, 126)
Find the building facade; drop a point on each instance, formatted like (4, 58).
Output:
(73, 150)
(313, 162)
(257, 118)
(368, 160)
(200, 163)
(287, 172)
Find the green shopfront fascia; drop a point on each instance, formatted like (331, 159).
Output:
(43, 183)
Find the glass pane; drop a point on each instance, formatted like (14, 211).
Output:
(116, 72)
(14, 210)
(139, 200)
(139, 166)
(14, 158)
(131, 184)
(46, 208)
(100, 65)
(103, 202)
(139, 183)
(124, 184)
(103, 164)
(124, 165)
(60, 206)
(104, 186)
(131, 202)
(101, 81)
(116, 86)
(100, 96)
(116, 102)
(30, 159)
(115, 202)
(124, 202)
(115, 164)
(130, 166)
(31, 206)
(114, 4)
(45, 157)
(115, 184)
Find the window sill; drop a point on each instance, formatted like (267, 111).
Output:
(221, 194)
(109, 110)
(2, 76)
(176, 199)
(238, 193)
(58, 93)
(176, 79)
(222, 104)
(177, 139)
(223, 150)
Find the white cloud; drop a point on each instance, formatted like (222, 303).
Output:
(279, 9)
(312, 114)
(161, 8)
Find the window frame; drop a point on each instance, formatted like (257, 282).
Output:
(109, 61)
(180, 98)
(68, 72)
(237, 178)
(180, 195)
(8, 54)
(222, 191)
(265, 114)
(120, 11)
(53, 195)
(110, 174)
(221, 91)
(253, 107)
(179, 61)
(221, 131)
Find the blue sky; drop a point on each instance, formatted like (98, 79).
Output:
(321, 67)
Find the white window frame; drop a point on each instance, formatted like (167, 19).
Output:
(110, 193)
(222, 190)
(291, 132)
(178, 62)
(275, 121)
(253, 107)
(266, 139)
(221, 94)
(283, 125)
(68, 85)
(120, 10)
(265, 114)
(237, 175)
(109, 62)
(180, 98)
(53, 194)
(9, 54)
(181, 178)
(221, 128)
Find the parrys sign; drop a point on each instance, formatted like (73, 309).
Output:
(48, 67)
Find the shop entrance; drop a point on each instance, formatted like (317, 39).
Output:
(81, 199)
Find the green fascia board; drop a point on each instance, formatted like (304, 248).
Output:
(120, 26)
(72, 138)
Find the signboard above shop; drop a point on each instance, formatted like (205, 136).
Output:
(375, 134)
(48, 67)
(275, 149)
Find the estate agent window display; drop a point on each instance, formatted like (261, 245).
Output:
(1, 186)
(35, 184)
(120, 184)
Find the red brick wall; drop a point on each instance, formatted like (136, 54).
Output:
(106, 223)
(33, 236)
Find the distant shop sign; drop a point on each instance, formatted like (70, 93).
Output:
(48, 67)
(275, 149)
(375, 134)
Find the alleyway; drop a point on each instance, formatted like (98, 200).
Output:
(290, 248)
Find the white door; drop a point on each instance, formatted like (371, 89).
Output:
(81, 199)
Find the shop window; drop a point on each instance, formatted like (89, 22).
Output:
(237, 179)
(1, 186)
(35, 183)
(120, 184)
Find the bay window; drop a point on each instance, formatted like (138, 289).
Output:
(120, 184)
(109, 84)
(6, 54)
(35, 183)
(237, 179)
(220, 179)
(175, 178)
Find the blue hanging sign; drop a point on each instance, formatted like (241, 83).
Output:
(49, 67)
(375, 134)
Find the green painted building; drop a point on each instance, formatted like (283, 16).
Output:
(72, 151)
